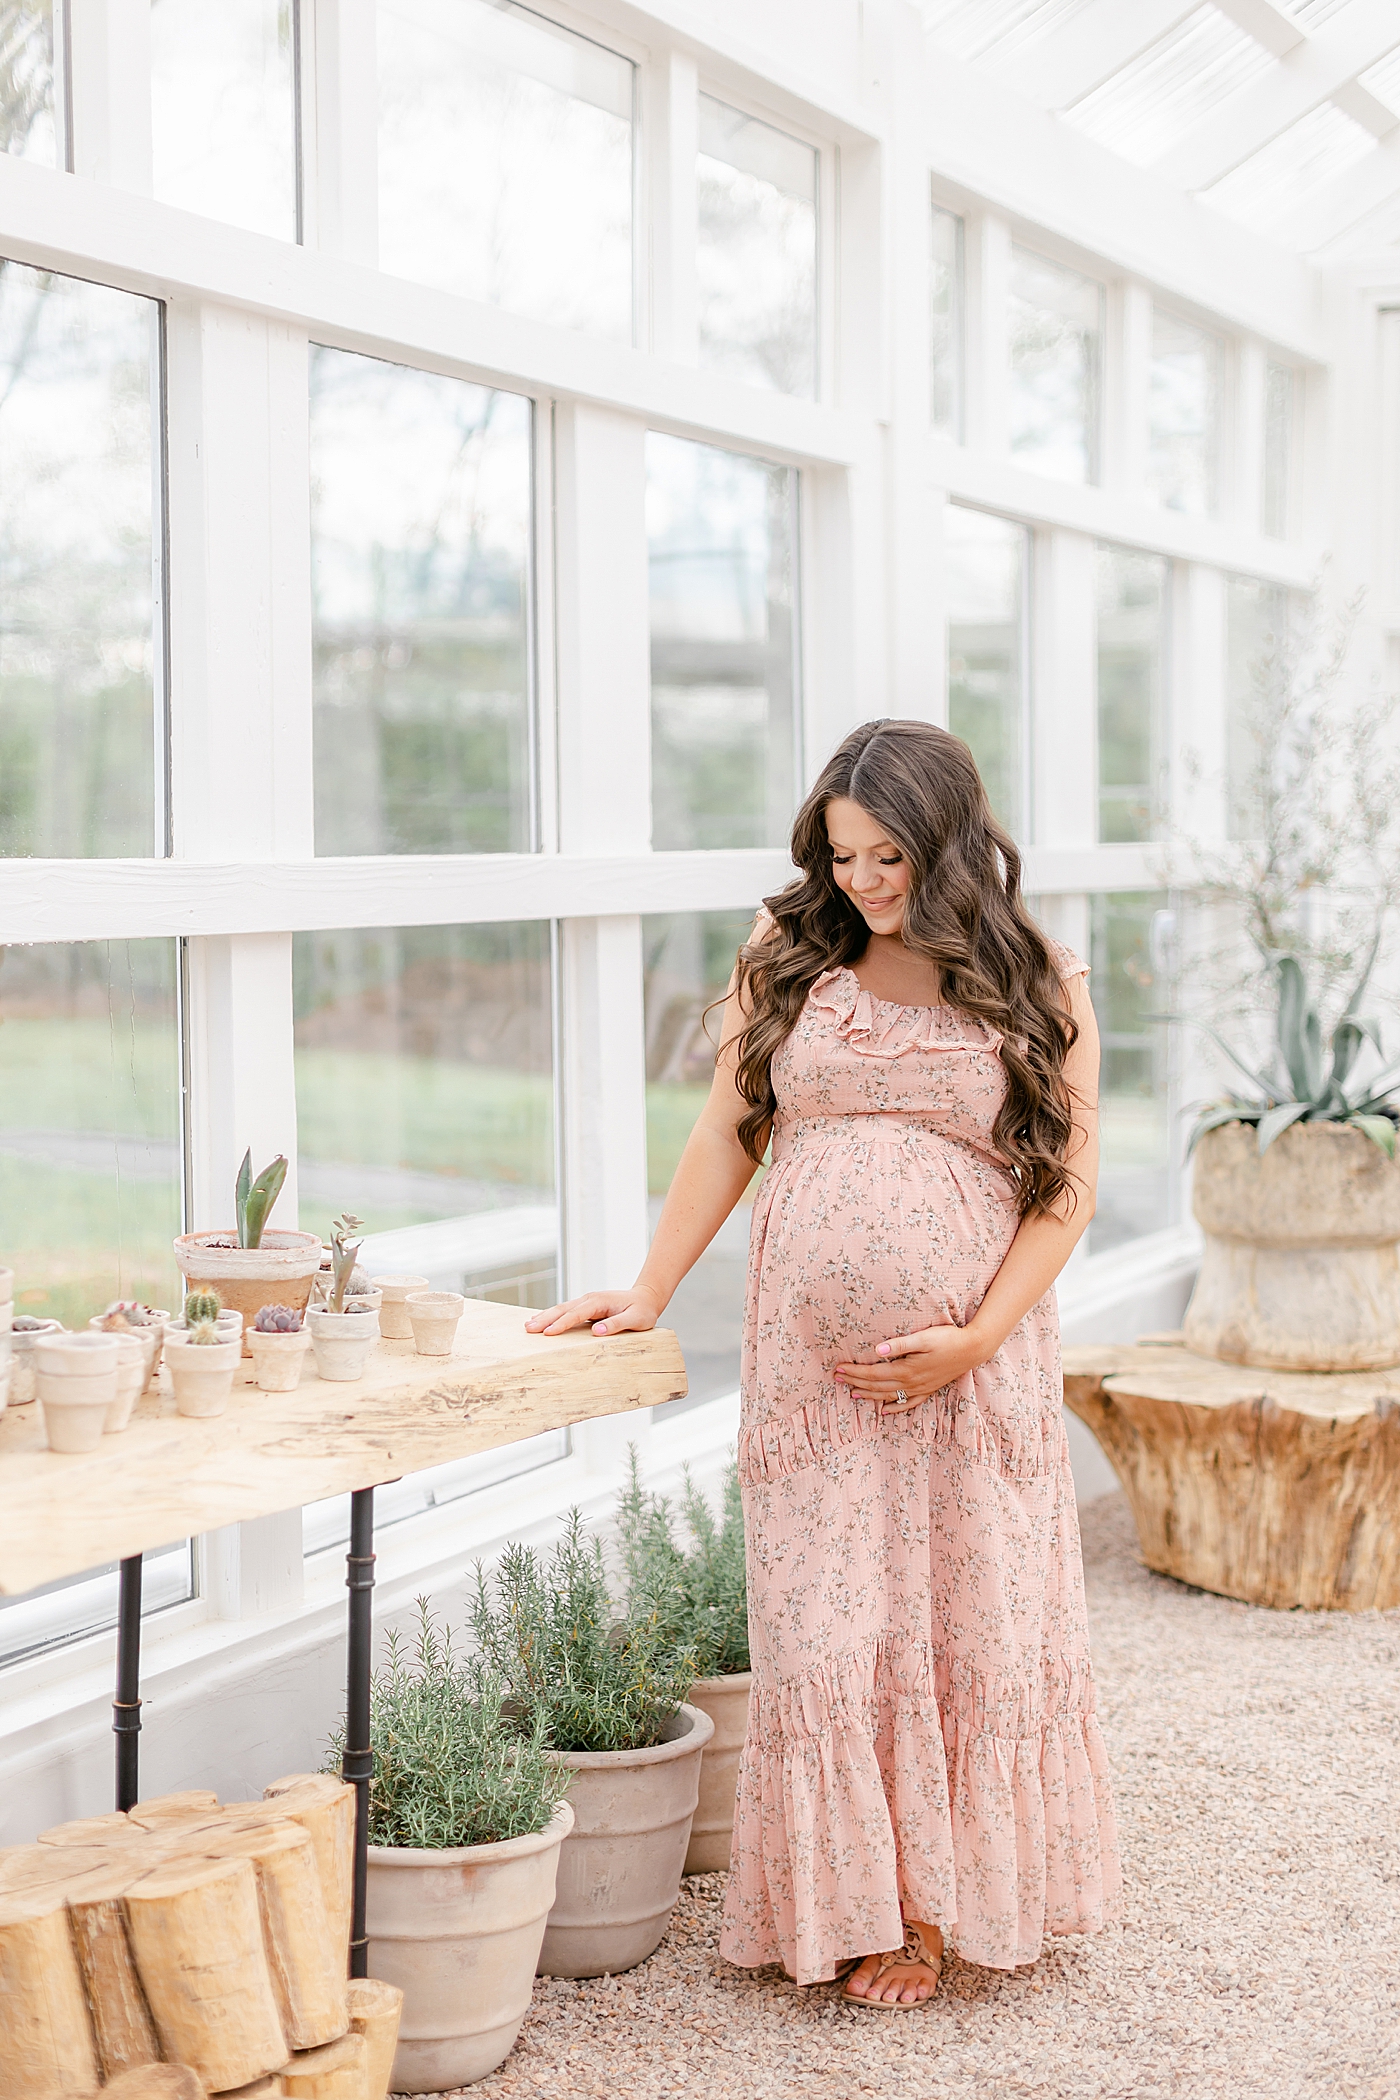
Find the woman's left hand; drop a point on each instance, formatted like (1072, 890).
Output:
(914, 1366)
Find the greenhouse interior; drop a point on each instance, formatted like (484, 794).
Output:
(471, 473)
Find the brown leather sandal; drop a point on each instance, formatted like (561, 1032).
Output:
(915, 1951)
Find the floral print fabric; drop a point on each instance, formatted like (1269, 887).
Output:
(921, 1725)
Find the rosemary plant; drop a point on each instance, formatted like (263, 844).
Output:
(706, 1579)
(452, 1766)
(589, 1677)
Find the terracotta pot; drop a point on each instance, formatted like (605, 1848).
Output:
(77, 1383)
(620, 1870)
(201, 1373)
(132, 1358)
(726, 1701)
(459, 1932)
(278, 1358)
(394, 1322)
(23, 1361)
(1301, 1266)
(279, 1272)
(228, 1324)
(342, 1341)
(151, 1337)
(435, 1317)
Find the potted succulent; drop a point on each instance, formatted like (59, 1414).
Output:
(201, 1360)
(607, 1689)
(346, 1327)
(146, 1322)
(24, 1334)
(77, 1381)
(466, 1818)
(279, 1342)
(246, 1264)
(709, 1583)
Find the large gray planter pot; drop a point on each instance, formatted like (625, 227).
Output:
(459, 1933)
(726, 1701)
(620, 1869)
(1301, 1268)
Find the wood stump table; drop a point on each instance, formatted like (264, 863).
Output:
(1276, 1487)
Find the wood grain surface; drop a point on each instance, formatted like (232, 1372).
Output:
(166, 1477)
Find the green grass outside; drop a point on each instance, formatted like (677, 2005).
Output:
(76, 1240)
(90, 1075)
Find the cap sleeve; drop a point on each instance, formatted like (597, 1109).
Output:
(1065, 960)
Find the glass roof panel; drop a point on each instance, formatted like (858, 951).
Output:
(1265, 191)
(1144, 108)
(996, 29)
(1383, 80)
(1311, 14)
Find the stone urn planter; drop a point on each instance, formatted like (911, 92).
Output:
(459, 1933)
(1301, 1268)
(620, 1870)
(726, 1701)
(280, 1271)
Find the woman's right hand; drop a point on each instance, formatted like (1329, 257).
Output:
(606, 1312)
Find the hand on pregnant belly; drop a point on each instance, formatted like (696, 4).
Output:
(909, 1368)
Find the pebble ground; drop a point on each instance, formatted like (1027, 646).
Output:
(1257, 1764)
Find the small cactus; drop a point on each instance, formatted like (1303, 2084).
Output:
(125, 1313)
(25, 1323)
(205, 1335)
(277, 1319)
(202, 1308)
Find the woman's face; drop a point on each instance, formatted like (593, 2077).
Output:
(868, 866)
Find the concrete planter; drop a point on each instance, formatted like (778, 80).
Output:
(201, 1373)
(279, 1272)
(77, 1381)
(1301, 1268)
(342, 1341)
(277, 1359)
(620, 1871)
(726, 1701)
(434, 1317)
(459, 1933)
(394, 1322)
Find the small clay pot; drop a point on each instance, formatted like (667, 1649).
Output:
(394, 1323)
(132, 1356)
(23, 1361)
(151, 1337)
(278, 1358)
(342, 1341)
(77, 1384)
(229, 1326)
(435, 1316)
(201, 1373)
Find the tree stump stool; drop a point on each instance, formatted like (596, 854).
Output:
(1277, 1487)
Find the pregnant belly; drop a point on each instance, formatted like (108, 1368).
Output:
(854, 1242)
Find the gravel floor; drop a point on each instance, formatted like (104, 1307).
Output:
(1256, 1760)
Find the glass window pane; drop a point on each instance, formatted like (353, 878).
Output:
(1056, 336)
(78, 688)
(1132, 608)
(78, 1606)
(1278, 448)
(1135, 1179)
(688, 960)
(757, 258)
(223, 111)
(1183, 413)
(505, 161)
(425, 1101)
(986, 561)
(27, 84)
(420, 519)
(1256, 632)
(90, 1163)
(946, 323)
(723, 545)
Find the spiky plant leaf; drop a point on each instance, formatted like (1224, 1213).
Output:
(1379, 1129)
(1217, 1117)
(260, 1199)
(240, 1196)
(1275, 1121)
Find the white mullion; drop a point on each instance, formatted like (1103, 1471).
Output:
(671, 140)
(109, 91)
(987, 253)
(340, 129)
(1064, 769)
(1196, 708)
(1129, 364)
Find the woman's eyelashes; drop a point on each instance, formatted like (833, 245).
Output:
(843, 860)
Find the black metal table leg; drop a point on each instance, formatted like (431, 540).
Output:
(126, 1707)
(357, 1763)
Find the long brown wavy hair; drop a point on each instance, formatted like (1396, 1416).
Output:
(963, 913)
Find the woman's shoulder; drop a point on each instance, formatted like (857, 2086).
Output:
(1065, 960)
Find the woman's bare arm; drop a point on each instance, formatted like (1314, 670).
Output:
(712, 1175)
(921, 1364)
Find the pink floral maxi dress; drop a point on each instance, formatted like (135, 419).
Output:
(921, 1730)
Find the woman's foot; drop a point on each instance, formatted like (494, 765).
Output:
(907, 1977)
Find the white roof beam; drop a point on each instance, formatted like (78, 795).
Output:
(1059, 70)
(1348, 198)
(1266, 23)
(1366, 109)
(1314, 71)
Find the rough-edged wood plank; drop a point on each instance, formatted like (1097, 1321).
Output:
(121, 2019)
(47, 2042)
(166, 1477)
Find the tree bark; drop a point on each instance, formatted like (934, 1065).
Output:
(308, 1971)
(325, 1809)
(121, 2019)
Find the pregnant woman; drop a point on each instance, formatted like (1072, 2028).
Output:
(923, 1763)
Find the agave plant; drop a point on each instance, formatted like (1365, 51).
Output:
(253, 1200)
(1312, 1080)
(344, 1249)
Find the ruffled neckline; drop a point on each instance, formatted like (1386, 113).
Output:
(886, 1028)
